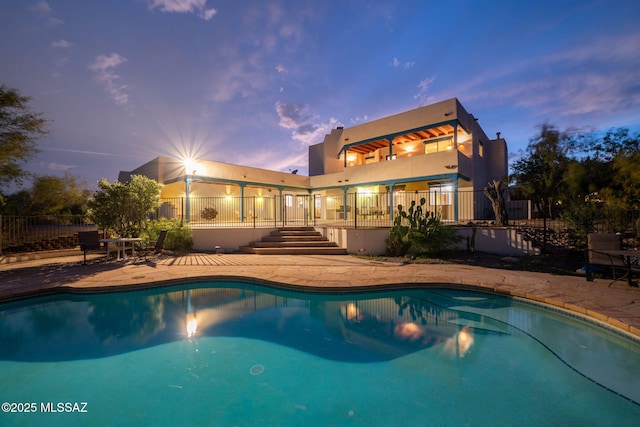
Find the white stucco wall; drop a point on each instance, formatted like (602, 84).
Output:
(229, 239)
(365, 241)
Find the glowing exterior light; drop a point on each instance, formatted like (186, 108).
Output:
(351, 312)
(192, 327)
(190, 166)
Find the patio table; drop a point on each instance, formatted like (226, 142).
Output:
(121, 245)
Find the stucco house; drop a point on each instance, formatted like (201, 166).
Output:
(357, 175)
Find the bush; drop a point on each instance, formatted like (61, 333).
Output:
(178, 238)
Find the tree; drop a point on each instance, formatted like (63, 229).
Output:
(52, 195)
(494, 193)
(123, 207)
(541, 171)
(607, 169)
(19, 129)
(49, 195)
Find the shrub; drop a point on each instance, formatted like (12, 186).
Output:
(178, 238)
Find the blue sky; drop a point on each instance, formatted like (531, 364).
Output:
(256, 82)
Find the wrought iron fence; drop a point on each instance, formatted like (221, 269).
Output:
(40, 233)
(349, 210)
(377, 210)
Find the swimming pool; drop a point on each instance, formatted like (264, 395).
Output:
(232, 353)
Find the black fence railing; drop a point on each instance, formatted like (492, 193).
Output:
(362, 210)
(350, 210)
(40, 233)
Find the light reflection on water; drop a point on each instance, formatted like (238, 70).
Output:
(377, 326)
(436, 340)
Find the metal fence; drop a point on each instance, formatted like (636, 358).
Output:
(40, 233)
(373, 210)
(348, 210)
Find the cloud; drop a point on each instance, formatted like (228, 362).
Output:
(278, 160)
(60, 44)
(306, 128)
(359, 119)
(83, 152)
(60, 167)
(107, 76)
(43, 9)
(395, 62)
(184, 6)
(583, 83)
(423, 96)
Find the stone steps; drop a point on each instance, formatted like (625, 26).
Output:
(294, 241)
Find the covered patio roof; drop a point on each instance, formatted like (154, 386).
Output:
(427, 132)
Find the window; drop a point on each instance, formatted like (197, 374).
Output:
(442, 144)
(441, 195)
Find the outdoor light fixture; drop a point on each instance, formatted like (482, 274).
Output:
(190, 165)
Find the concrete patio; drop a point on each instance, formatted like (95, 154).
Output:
(617, 305)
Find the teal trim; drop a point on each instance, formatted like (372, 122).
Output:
(235, 182)
(453, 176)
(187, 209)
(241, 203)
(455, 200)
(442, 138)
(344, 204)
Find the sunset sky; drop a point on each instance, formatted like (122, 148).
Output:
(256, 82)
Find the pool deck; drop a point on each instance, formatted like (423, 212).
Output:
(617, 305)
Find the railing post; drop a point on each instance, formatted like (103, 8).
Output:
(313, 210)
(355, 210)
(275, 212)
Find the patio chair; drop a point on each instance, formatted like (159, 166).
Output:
(597, 247)
(89, 242)
(154, 246)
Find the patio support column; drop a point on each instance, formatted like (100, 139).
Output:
(391, 203)
(455, 199)
(390, 148)
(242, 202)
(282, 205)
(455, 137)
(344, 203)
(187, 208)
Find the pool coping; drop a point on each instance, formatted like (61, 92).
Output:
(617, 306)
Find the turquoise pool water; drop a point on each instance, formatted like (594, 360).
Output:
(237, 354)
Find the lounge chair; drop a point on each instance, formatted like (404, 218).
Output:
(89, 242)
(154, 246)
(597, 247)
